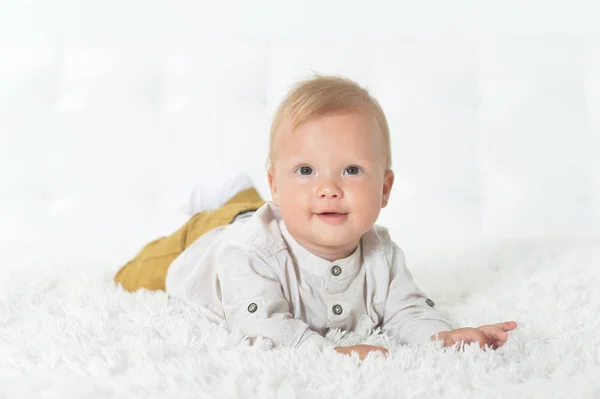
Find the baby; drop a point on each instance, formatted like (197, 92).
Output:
(313, 259)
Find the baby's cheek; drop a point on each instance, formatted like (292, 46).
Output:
(372, 206)
(365, 196)
(293, 191)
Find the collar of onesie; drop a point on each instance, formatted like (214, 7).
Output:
(337, 274)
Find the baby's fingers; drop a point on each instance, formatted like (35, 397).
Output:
(363, 353)
(494, 334)
(383, 350)
(498, 344)
(474, 335)
(505, 326)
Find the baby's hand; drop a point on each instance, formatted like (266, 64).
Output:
(362, 350)
(494, 335)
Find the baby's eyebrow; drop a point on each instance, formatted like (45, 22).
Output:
(348, 162)
(297, 159)
(360, 161)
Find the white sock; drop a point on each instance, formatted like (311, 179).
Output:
(214, 191)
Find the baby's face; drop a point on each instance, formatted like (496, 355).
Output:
(329, 179)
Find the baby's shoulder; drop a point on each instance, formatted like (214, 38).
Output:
(378, 238)
(260, 232)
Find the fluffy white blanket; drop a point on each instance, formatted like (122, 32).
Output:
(68, 332)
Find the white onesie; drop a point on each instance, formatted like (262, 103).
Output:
(256, 277)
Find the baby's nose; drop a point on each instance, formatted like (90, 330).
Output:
(330, 191)
(329, 194)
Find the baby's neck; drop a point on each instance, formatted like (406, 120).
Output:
(330, 253)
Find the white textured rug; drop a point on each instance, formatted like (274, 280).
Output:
(67, 332)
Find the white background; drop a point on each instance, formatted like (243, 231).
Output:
(111, 111)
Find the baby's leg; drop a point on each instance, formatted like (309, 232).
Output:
(150, 266)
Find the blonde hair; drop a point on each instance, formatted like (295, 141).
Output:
(323, 95)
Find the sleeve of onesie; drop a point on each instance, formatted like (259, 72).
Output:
(409, 315)
(253, 301)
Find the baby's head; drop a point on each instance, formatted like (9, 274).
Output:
(329, 164)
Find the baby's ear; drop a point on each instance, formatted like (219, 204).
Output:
(273, 186)
(388, 182)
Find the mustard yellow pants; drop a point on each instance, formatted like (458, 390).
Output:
(149, 267)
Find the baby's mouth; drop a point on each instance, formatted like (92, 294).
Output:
(332, 217)
(331, 213)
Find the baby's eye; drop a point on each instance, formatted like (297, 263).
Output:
(304, 170)
(352, 170)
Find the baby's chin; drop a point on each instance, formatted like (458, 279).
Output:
(330, 242)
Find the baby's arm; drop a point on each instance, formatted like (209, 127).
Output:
(409, 315)
(412, 317)
(253, 300)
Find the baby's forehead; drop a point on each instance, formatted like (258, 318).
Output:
(294, 133)
(290, 123)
